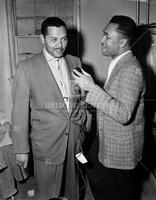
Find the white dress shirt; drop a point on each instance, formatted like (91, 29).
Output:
(113, 64)
(63, 65)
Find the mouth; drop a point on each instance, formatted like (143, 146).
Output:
(59, 50)
(103, 48)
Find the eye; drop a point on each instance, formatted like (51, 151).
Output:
(53, 40)
(106, 36)
(65, 39)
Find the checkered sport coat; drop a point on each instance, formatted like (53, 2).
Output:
(120, 115)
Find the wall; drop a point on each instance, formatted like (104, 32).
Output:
(94, 16)
(5, 86)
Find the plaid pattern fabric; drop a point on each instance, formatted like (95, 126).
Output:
(120, 116)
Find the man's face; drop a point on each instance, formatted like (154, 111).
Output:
(111, 41)
(55, 41)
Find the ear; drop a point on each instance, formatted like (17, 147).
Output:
(123, 42)
(42, 38)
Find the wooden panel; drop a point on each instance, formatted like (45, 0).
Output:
(152, 17)
(26, 27)
(64, 8)
(25, 8)
(28, 45)
(69, 21)
(39, 21)
(45, 5)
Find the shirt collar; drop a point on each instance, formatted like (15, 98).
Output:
(120, 56)
(113, 64)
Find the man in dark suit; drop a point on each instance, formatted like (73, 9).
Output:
(44, 89)
(120, 114)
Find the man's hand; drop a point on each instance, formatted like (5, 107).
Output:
(22, 159)
(83, 80)
(4, 127)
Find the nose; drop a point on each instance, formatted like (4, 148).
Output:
(103, 40)
(60, 43)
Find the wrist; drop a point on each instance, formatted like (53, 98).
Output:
(4, 123)
(92, 87)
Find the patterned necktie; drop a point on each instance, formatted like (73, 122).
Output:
(62, 84)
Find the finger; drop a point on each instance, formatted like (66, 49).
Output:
(2, 128)
(85, 73)
(19, 163)
(75, 76)
(76, 72)
(25, 164)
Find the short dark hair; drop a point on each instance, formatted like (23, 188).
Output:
(126, 26)
(51, 21)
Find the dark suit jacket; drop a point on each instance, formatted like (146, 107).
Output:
(36, 92)
(120, 116)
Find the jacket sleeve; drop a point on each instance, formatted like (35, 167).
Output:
(121, 106)
(20, 112)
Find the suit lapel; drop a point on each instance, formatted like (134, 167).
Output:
(112, 76)
(70, 78)
(52, 84)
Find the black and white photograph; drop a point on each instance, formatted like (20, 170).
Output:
(78, 100)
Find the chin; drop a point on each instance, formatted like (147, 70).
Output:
(105, 54)
(59, 54)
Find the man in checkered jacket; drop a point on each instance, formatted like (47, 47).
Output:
(120, 114)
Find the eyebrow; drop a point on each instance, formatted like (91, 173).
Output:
(105, 33)
(65, 36)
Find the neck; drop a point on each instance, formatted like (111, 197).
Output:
(113, 57)
(121, 51)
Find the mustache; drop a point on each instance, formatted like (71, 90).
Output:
(60, 48)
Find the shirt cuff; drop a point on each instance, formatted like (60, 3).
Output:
(93, 95)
